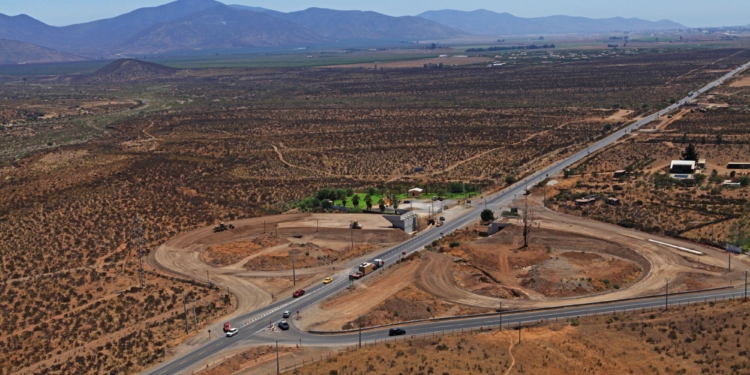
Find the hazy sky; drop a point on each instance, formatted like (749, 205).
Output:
(688, 12)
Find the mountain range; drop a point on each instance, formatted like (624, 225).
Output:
(485, 22)
(188, 25)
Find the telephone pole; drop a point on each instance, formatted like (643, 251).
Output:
(137, 233)
(500, 327)
(184, 306)
(294, 272)
(277, 357)
(666, 295)
(360, 331)
(195, 317)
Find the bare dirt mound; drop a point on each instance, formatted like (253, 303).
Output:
(306, 255)
(225, 254)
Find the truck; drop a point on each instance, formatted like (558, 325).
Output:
(366, 267)
(378, 263)
(227, 327)
(222, 227)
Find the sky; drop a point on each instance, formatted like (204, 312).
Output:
(692, 13)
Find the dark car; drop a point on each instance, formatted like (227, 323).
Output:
(396, 332)
(298, 293)
(283, 325)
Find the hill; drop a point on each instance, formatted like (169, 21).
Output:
(485, 22)
(15, 52)
(129, 70)
(219, 27)
(94, 38)
(359, 25)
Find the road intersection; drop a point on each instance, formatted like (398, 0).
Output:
(253, 325)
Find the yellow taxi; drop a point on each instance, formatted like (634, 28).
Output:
(328, 280)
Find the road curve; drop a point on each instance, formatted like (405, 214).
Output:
(255, 322)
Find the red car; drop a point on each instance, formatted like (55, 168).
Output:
(298, 293)
(227, 327)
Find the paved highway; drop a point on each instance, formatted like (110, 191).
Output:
(255, 322)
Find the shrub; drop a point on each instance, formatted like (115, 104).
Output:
(454, 244)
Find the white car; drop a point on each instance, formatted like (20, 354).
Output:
(232, 332)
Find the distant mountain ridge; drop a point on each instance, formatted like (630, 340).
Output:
(485, 22)
(190, 25)
(15, 52)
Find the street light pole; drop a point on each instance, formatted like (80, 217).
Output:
(501, 316)
(360, 331)
(294, 272)
(277, 357)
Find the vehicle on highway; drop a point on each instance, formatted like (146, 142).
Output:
(227, 327)
(442, 218)
(434, 198)
(328, 280)
(407, 201)
(283, 325)
(298, 293)
(286, 314)
(396, 332)
(232, 332)
(356, 276)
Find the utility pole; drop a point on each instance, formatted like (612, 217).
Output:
(351, 232)
(294, 272)
(729, 265)
(208, 279)
(277, 357)
(360, 331)
(666, 295)
(501, 316)
(184, 306)
(264, 226)
(745, 285)
(442, 147)
(195, 317)
(137, 233)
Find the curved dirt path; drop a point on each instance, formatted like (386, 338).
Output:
(510, 352)
(436, 278)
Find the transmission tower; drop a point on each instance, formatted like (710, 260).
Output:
(137, 234)
(443, 148)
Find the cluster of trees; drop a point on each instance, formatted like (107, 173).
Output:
(509, 48)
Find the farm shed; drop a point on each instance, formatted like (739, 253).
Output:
(701, 164)
(585, 201)
(731, 184)
(738, 165)
(613, 201)
(415, 192)
(619, 173)
(682, 166)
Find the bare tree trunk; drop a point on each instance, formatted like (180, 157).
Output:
(528, 220)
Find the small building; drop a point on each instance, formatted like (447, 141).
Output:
(415, 192)
(682, 167)
(731, 184)
(620, 173)
(585, 201)
(738, 165)
(613, 201)
(701, 164)
(496, 227)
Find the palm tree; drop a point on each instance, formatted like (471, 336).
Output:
(355, 200)
(368, 201)
(381, 205)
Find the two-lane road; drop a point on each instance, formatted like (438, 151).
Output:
(252, 323)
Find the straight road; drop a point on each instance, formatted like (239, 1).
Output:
(252, 323)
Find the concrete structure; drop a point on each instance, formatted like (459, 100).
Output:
(407, 221)
(585, 201)
(415, 193)
(701, 164)
(682, 167)
(619, 173)
(731, 184)
(496, 227)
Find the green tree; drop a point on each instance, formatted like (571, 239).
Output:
(381, 205)
(744, 181)
(700, 178)
(368, 201)
(690, 153)
(487, 215)
(343, 202)
(739, 231)
(372, 190)
(394, 203)
(355, 200)
(509, 179)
